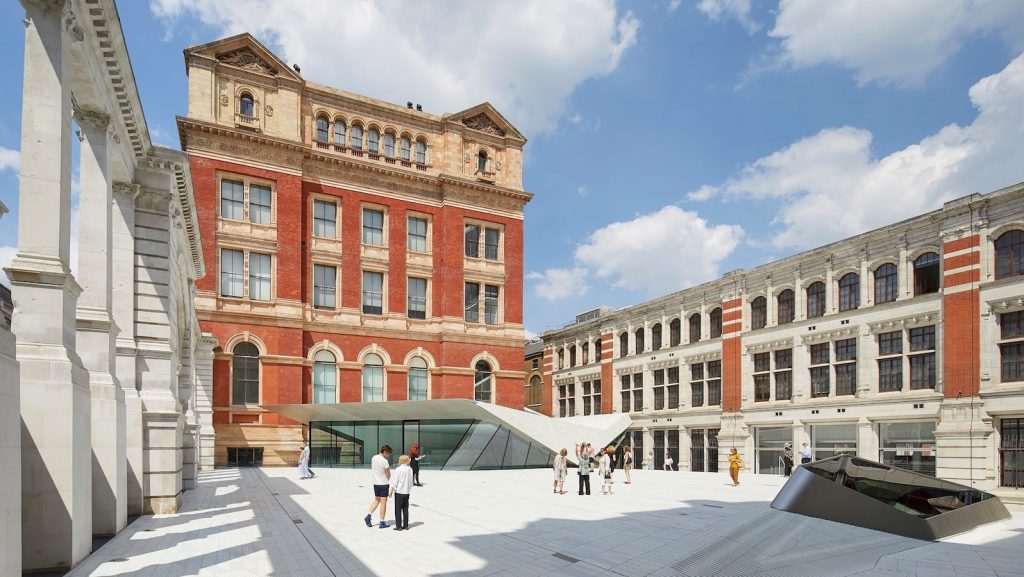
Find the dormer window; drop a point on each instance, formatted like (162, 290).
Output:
(245, 105)
(481, 162)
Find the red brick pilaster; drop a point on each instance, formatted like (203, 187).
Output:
(607, 375)
(961, 313)
(732, 355)
(546, 366)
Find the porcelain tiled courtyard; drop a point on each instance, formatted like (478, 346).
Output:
(267, 522)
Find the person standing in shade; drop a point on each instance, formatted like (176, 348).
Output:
(668, 461)
(650, 460)
(401, 486)
(414, 457)
(805, 454)
(604, 469)
(627, 463)
(583, 457)
(380, 476)
(304, 472)
(734, 466)
(787, 459)
(561, 469)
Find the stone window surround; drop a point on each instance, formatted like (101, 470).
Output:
(481, 301)
(246, 250)
(482, 225)
(410, 214)
(334, 117)
(246, 181)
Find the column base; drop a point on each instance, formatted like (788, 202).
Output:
(109, 459)
(10, 456)
(963, 438)
(734, 433)
(162, 455)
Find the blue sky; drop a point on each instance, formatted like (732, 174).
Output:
(670, 141)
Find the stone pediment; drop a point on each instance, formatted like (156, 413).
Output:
(483, 123)
(487, 119)
(246, 59)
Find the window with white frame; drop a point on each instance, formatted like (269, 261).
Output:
(783, 374)
(259, 276)
(417, 241)
(472, 237)
(373, 141)
(232, 199)
(922, 357)
(885, 283)
(472, 308)
(490, 303)
(890, 362)
(321, 128)
(339, 133)
(1011, 347)
(483, 382)
(421, 152)
(373, 292)
(673, 387)
(356, 137)
(417, 307)
(714, 383)
(567, 400)
(846, 366)
(697, 385)
(821, 382)
(404, 148)
(259, 204)
(632, 392)
(762, 377)
(389, 145)
(325, 377)
(325, 219)
(418, 378)
(324, 284)
(659, 389)
(232, 272)
(491, 239)
(373, 227)
(240, 197)
(592, 397)
(373, 378)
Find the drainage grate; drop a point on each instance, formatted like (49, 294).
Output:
(297, 521)
(565, 558)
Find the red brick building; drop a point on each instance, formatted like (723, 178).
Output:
(361, 250)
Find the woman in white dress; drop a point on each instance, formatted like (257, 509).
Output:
(605, 471)
(561, 469)
(304, 472)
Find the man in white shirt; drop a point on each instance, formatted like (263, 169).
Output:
(805, 454)
(380, 474)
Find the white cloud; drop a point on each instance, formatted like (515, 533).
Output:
(673, 5)
(525, 57)
(9, 159)
(583, 191)
(555, 284)
(881, 40)
(530, 335)
(831, 186)
(735, 9)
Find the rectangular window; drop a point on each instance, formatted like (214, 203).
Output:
(592, 398)
(762, 362)
(846, 350)
(922, 371)
(627, 396)
(819, 354)
(1011, 325)
(714, 393)
(472, 235)
(784, 359)
(890, 343)
(1012, 362)
(325, 219)
(324, 283)
(373, 292)
(417, 234)
(697, 394)
(890, 375)
(492, 237)
(259, 204)
(697, 372)
(491, 304)
(231, 199)
(846, 379)
(259, 276)
(373, 227)
(418, 298)
(714, 369)
(472, 303)
(231, 271)
(783, 385)
(762, 388)
(820, 384)
(638, 392)
(922, 338)
(659, 389)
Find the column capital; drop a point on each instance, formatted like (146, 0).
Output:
(126, 188)
(94, 119)
(45, 5)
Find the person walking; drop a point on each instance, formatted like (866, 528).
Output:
(650, 460)
(734, 466)
(583, 454)
(304, 471)
(805, 454)
(787, 459)
(380, 476)
(561, 469)
(668, 461)
(627, 463)
(401, 486)
(414, 458)
(605, 471)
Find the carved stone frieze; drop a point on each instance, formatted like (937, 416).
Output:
(483, 123)
(94, 119)
(224, 100)
(246, 59)
(383, 182)
(125, 188)
(233, 146)
(269, 110)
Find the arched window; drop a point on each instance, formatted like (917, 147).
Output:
(245, 105)
(561, 358)
(787, 308)
(694, 327)
(417, 379)
(533, 396)
(245, 374)
(356, 137)
(339, 132)
(421, 152)
(675, 330)
(325, 380)
(815, 299)
(716, 323)
(656, 337)
(639, 339)
(322, 126)
(849, 292)
(585, 351)
(373, 141)
(597, 350)
(572, 356)
(404, 148)
(373, 378)
(389, 145)
(481, 161)
(623, 344)
(482, 382)
(1010, 254)
(926, 274)
(885, 283)
(759, 313)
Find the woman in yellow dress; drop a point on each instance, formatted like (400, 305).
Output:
(734, 466)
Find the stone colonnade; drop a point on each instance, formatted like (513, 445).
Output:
(104, 411)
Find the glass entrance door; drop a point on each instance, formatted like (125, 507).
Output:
(768, 442)
(1011, 453)
(832, 440)
(697, 450)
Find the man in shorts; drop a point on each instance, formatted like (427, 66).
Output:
(380, 474)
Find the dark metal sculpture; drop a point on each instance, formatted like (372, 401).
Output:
(875, 496)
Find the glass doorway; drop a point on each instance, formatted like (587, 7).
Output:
(832, 440)
(704, 450)
(666, 440)
(1011, 453)
(908, 445)
(768, 442)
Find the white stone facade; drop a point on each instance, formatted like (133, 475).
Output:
(108, 359)
(960, 433)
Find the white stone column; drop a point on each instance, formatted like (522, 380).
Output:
(123, 311)
(96, 328)
(10, 456)
(186, 396)
(204, 399)
(55, 398)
